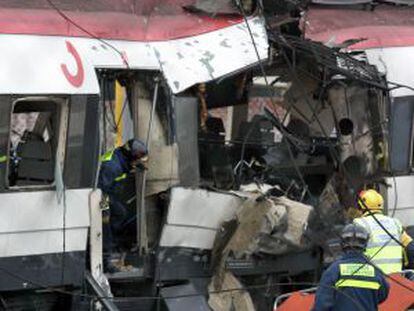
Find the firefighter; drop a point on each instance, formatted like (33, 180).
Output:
(117, 168)
(351, 283)
(384, 251)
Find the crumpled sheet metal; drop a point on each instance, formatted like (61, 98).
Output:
(188, 61)
(263, 225)
(269, 225)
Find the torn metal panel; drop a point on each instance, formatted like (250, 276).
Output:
(298, 216)
(195, 215)
(209, 56)
(357, 153)
(328, 109)
(255, 219)
(280, 222)
(66, 65)
(163, 161)
(386, 26)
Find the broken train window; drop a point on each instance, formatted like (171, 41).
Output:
(36, 141)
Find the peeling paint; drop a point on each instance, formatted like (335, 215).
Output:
(256, 22)
(157, 53)
(206, 62)
(208, 56)
(225, 43)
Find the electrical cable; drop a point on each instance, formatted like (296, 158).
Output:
(69, 20)
(240, 6)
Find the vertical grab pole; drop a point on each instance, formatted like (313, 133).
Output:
(141, 177)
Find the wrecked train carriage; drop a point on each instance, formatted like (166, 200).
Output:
(320, 140)
(233, 150)
(52, 121)
(385, 37)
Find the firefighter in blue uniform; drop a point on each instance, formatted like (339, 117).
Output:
(351, 283)
(117, 168)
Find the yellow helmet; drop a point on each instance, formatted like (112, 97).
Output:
(372, 200)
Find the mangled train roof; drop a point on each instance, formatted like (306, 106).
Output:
(187, 47)
(386, 26)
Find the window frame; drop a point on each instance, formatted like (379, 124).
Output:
(62, 104)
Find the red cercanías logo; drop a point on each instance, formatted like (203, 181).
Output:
(75, 79)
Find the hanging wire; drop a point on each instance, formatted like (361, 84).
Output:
(71, 21)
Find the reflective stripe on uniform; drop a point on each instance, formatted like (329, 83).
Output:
(382, 250)
(107, 156)
(120, 177)
(388, 260)
(3, 159)
(389, 268)
(388, 252)
(357, 284)
(349, 269)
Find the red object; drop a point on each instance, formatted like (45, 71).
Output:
(75, 79)
(400, 297)
(298, 301)
(386, 26)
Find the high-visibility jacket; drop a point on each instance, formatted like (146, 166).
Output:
(350, 283)
(114, 168)
(382, 250)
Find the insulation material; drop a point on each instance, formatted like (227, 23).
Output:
(298, 215)
(195, 215)
(230, 300)
(265, 225)
(255, 220)
(269, 226)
